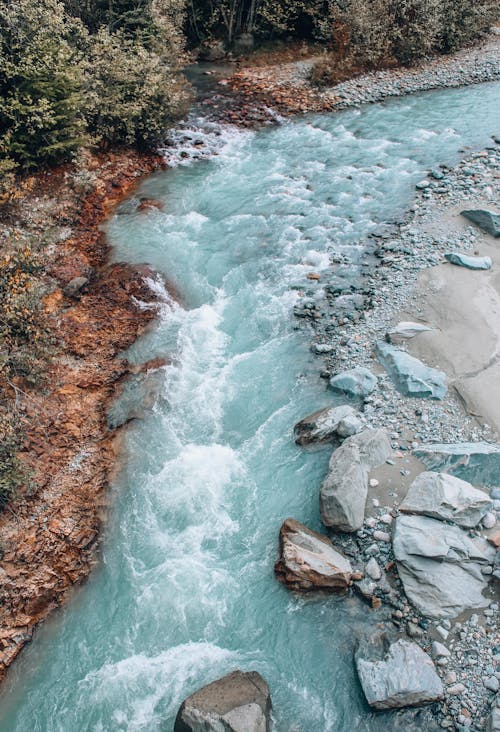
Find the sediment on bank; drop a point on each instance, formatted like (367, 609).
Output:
(49, 532)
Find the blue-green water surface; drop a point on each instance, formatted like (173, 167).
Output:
(185, 591)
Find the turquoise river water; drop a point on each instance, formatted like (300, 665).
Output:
(185, 591)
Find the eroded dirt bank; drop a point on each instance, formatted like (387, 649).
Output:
(50, 531)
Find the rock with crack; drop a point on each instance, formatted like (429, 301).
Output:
(404, 331)
(440, 566)
(486, 220)
(463, 260)
(328, 425)
(398, 674)
(239, 702)
(477, 462)
(358, 382)
(410, 376)
(344, 491)
(446, 498)
(309, 561)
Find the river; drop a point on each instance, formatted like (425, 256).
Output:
(185, 591)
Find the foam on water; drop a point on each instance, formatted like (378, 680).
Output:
(186, 591)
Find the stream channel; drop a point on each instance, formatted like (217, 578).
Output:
(185, 591)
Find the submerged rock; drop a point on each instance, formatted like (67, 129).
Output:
(440, 566)
(486, 220)
(358, 382)
(444, 497)
(327, 424)
(405, 330)
(397, 675)
(463, 260)
(345, 488)
(478, 462)
(309, 561)
(412, 377)
(239, 702)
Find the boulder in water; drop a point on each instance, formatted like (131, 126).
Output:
(239, 702)
(486, 220)
(344, 491)
(331, 423)
(395, 675)
(446, 498)
(412, 377)
(358, 382)
(309, 561)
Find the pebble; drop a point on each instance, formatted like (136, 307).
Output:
(492, 683)
(382, 536)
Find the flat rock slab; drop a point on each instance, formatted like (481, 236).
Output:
(440, 566)
(327, 425)
(446, 498)
(309, 561)
(358, 382)
(400, 675)
(344, 491)
(239, 702)
(477, 462)
(411, 376)
(463, 260)
(486, 220)
(404, 331)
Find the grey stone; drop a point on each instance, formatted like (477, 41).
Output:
(309, 561)
(411, 376)
(344, 491)
(492, 683)
(439, 651)
(462, 260)
(486, 220)
(477, 462)
(74, 286)
(358, 382)
(447, 498)
(493, 724)
(405, 330)
(373, 570)
(239, 702)
(440, 566)
(397, 675)
(489, 520)
(213, 51)
(327, 424)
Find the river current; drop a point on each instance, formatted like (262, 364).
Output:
(185, 591)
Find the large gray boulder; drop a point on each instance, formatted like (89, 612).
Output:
(327, 425)
(344, 491)
(477, 462)
(440, 566)
(444, 497)
(309, 561)
(358, 382)
(239, 702)
(410, 376)
(464, 260)
(486, 220)
(405, 330)
(397, 675)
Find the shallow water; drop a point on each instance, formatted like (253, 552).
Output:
(186, 590)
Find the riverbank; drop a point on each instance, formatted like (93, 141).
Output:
(50, 531)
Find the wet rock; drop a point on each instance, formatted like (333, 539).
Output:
(405, 330)
(412, 377)
(146, 204)
(344, 491)
(486, 220)
(213, 51)
(239, 702)
(440, 566)
(75, 286)
(446, 498)
(395, 675)
(358, 382)
(478, 462)
(327, 425)
(309, 561)
(463, 260)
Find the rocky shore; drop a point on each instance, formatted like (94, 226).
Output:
(49, 533)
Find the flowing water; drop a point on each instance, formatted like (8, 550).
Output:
(186, 591)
